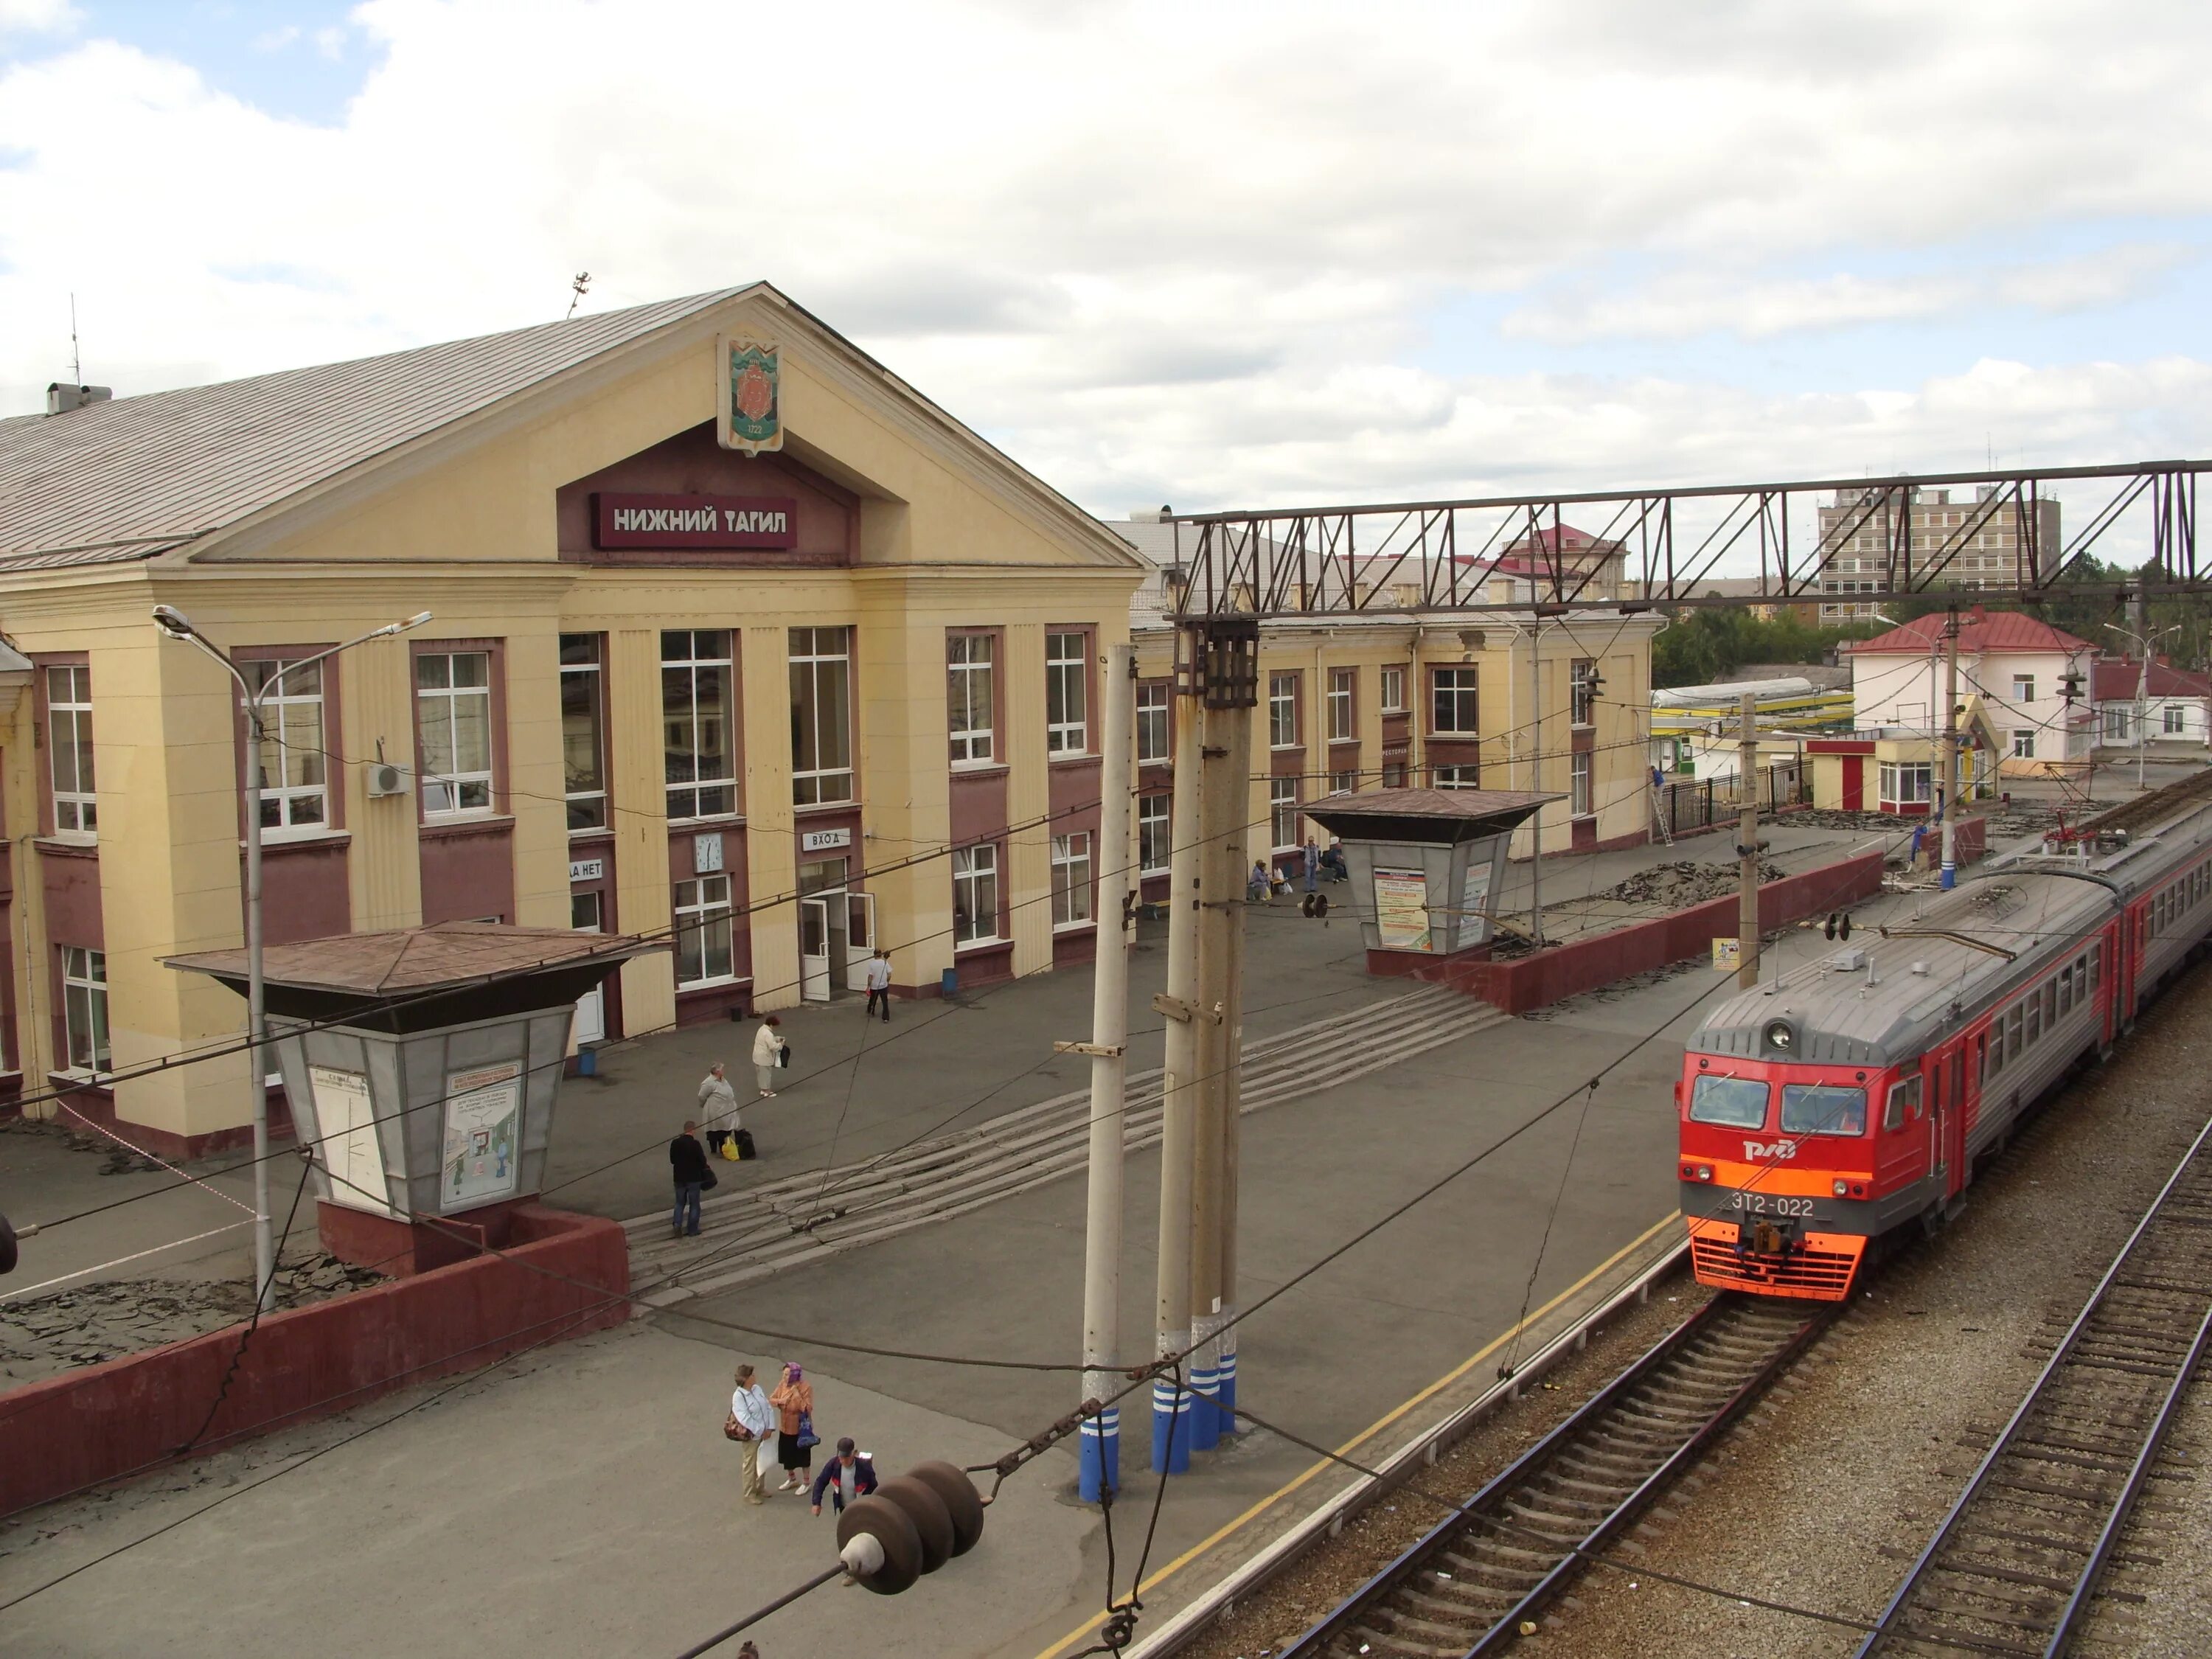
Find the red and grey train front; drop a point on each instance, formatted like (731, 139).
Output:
(1777, 1171)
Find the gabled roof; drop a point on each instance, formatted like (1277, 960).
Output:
(129, 478)
(1979, 630)
(439, 957)
(2114, 680)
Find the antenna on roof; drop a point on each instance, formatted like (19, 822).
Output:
(77, 360)
(577, 284)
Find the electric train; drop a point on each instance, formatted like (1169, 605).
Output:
(1855, 1097)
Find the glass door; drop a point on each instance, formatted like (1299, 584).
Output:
(860, 939)
(591, 1007)
(814, 949)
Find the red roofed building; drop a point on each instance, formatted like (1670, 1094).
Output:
(1536, 568)
(2033, 678)
(2166, 707)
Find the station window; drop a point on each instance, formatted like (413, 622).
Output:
(69, 725)
(583, 743)
(1733, 1103)
(968, 696)
(1283, 811)
(821, 715)
(1342, 685)
(974, 895)
(1067, 694)
(1454, 701)
(84, 1007)
(452, 708)
(1823, 1109)
(1391, 684)
(1071, 879)
(291, 758)
(702, 927)
(698, 708)
(1282, 711)
(1152, 721)
(1151, 835)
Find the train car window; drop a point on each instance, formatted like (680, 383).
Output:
(2013, 1040)
(1737, 1103)
(2049, 1004)
(2034, 1016)
(1982, 1057)
(2096, 966)
(2081, 978)
(1823, 1109)
(2066, 988)
(1902, 1096)
(1996, 1049)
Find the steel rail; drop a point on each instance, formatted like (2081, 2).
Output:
(1891, 1634)
(1476, 1517)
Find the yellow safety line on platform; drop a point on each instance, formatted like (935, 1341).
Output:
(1371, 1429)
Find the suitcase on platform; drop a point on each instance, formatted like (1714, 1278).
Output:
(744, 1141)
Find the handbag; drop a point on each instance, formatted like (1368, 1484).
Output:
(712, 1180)
(733, 1430)
(783, 1056)
(807, 1438)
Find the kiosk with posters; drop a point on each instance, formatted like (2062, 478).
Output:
(1424, 864)
(423, 1064)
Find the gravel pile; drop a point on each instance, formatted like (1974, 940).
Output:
(1824, 1496)
(43, 1336)
(1683, 882)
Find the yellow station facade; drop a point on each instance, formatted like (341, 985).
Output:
(742, 696)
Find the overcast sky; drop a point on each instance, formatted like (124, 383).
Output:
(1206, 254)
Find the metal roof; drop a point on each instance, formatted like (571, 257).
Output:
(442, 955)
(1434, 816)
(1979, 630)
(131, 478)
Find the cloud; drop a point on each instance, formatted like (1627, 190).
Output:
(1689, 304)
(37, 17)
(1163, 252)
(276, 40)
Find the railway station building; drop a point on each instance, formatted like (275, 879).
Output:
(1496, 699)
(732, 633)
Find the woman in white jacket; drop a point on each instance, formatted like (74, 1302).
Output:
(767, 1051)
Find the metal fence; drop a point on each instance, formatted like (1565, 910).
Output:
(1689, 804)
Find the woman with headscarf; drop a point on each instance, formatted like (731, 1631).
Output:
(794, 1400)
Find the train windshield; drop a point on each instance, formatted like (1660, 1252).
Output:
(1823, 1109)
(1737, 1103)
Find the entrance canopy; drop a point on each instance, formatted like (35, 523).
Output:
(1428, 818)
(1423, 863)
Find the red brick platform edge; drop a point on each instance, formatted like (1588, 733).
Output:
(1564, 971)
(126, 1415)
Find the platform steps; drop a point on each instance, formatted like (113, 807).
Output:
(754, 1231)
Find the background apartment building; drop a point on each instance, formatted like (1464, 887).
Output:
(1871, 539)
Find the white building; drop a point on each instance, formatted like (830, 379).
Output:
(2033, 678)
(2176, 707)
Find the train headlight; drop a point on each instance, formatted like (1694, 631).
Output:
(1778, 1037)
(1843, 1188)
(1704, 1172)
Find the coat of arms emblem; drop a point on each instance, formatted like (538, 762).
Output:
(752, 418)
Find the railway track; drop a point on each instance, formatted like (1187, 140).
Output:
(2015, 1564)
(1468, 1586)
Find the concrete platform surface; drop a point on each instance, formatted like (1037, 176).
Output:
(579, 1502)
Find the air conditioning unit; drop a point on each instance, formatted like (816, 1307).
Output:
(384, 779)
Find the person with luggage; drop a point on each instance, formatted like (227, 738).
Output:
(718, 1108)
(1258, 884)
(795, 1438)
(879, 985)
(769, 1053)
(751, 1421)
(687, 1166)
(850, 1473)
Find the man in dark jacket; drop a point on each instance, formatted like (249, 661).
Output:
(687, 1165)
(849, 1474)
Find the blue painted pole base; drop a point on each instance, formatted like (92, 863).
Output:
(1205, 1415)
(1170, 1428)
(1224, 1393)
(1950, 877)
(1100, 1455)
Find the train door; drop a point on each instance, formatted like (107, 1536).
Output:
(1946, 1126)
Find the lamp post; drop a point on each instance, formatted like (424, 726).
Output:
(2142, 642)
(177, 626)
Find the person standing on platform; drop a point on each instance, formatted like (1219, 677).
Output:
(794, 1400)
(768, 1054)
(850, 1473)
(749, 1408)
(687, 1167)
(879, 985)
(718, 1106)
(1312, 866)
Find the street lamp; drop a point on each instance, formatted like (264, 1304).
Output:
(176, 625)
(2142, 644)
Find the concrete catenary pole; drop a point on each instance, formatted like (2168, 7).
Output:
(1179, 1006)
(1536, 775)
(1951, 754)
(1221, 796)
(1747, 844)
(1232, 1025)
(1100, 1461)
(2142, 610)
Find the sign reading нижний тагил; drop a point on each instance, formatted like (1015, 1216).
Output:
(759, 523)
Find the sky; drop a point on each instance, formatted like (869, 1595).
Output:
(1208, 256)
